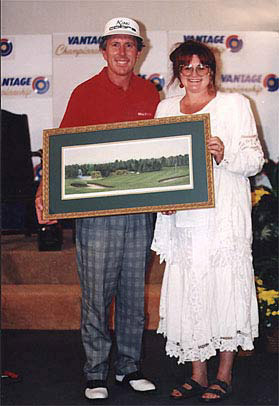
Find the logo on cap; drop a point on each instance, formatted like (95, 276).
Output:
(121, 24)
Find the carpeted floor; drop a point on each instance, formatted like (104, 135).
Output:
(50, 364)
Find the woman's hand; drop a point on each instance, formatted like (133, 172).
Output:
(216, 148)
(168, 212)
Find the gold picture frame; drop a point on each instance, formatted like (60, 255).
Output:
(129, 167)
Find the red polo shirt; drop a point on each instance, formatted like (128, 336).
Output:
(99, 101)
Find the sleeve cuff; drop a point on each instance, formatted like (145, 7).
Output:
(225, 161)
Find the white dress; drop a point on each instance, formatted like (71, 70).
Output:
(208, 299)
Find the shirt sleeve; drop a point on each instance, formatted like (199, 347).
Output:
(162, 109)
(162, 238)
(156, 99)
(248, 160)
(73, 114)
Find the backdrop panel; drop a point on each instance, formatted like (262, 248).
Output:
(41, 70)
(26, 83)
(249, 65)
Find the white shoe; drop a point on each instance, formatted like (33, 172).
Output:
(96, 389)
(136, 381)
(142, 385)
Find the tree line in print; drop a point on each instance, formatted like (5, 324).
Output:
(104, 170)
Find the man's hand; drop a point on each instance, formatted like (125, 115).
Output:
(39, 210)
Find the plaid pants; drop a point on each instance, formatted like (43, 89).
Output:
(112, 256)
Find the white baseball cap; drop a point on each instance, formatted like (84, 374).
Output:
(120, 26)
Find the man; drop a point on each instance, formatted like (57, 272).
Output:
(113, 251)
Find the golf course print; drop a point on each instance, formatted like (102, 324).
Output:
(127, 167)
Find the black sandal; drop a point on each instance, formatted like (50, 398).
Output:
(221, 395)
(196, 389)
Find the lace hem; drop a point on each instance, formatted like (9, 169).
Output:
(203, 352)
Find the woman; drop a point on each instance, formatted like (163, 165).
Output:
(208, 299)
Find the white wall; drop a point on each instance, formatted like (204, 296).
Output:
(47, 17)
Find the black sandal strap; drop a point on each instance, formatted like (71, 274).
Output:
(215, 392)
(226, 387)
(182, 390)
(194, 384)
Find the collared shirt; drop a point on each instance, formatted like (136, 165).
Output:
(99, 101)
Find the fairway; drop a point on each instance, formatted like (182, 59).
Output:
(169, 176)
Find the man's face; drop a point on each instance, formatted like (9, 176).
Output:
(121, 54)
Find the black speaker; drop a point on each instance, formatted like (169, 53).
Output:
(50, 237)
(17, 178)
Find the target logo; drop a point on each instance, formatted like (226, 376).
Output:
(233, 43)
(158, 81)
(6, 47)
(271, 82)
(40, 85)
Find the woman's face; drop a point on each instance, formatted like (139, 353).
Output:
(193, 82)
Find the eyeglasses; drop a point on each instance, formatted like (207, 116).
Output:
(187, 70)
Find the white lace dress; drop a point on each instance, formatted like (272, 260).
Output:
(208, 299)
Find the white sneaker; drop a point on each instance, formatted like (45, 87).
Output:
(96, 389)
(142, 385)
(135, 381)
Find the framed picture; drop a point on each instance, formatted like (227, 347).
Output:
(129, 167)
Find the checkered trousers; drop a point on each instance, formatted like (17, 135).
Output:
(112, 255)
